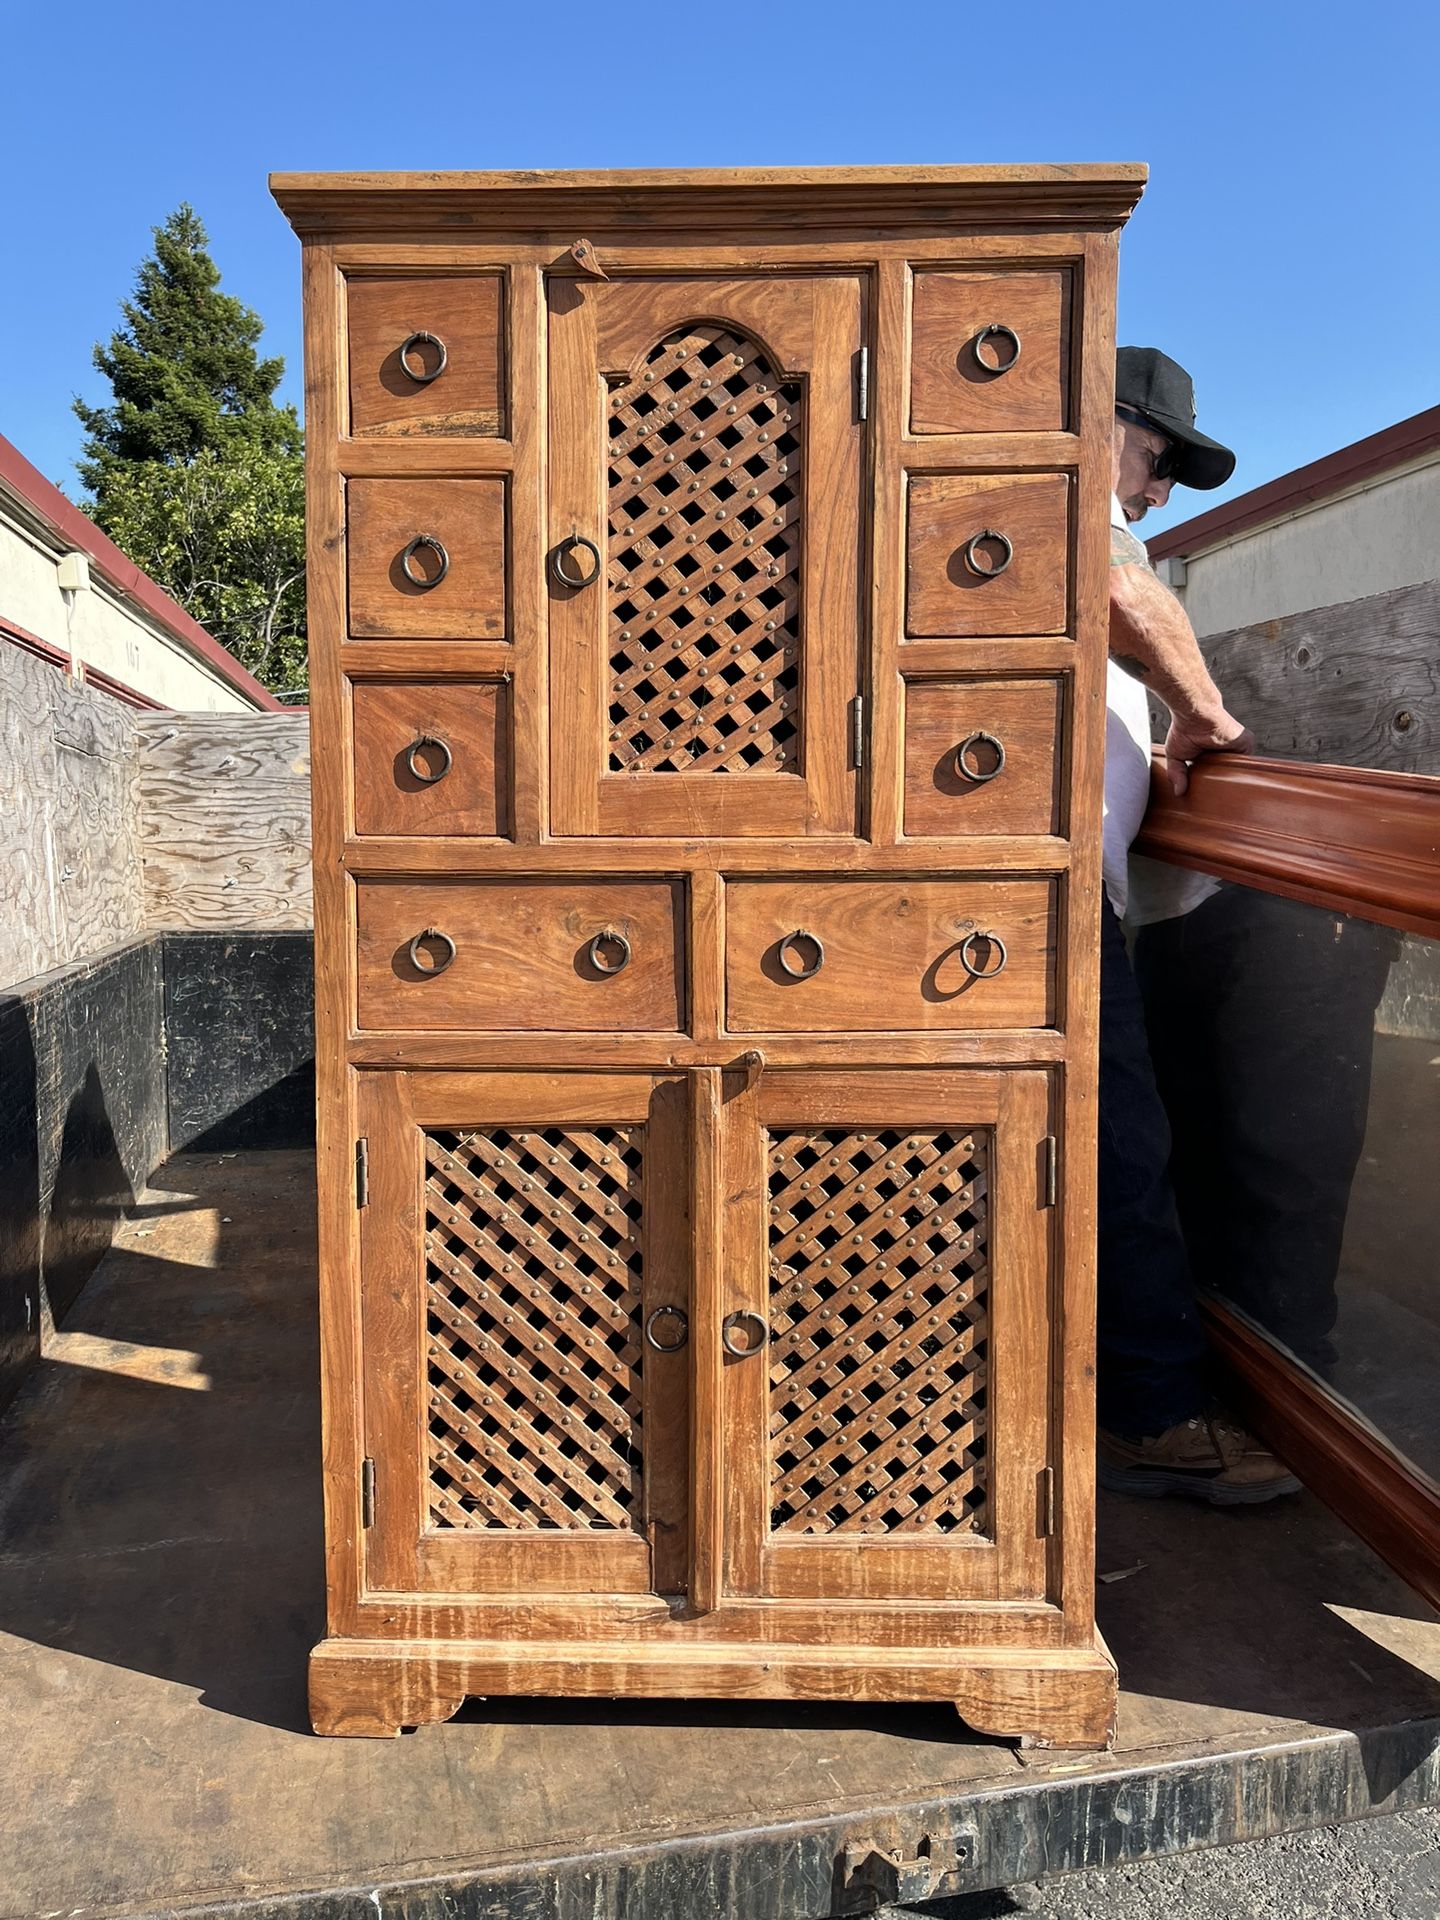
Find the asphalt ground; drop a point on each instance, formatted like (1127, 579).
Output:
(1387, 1869)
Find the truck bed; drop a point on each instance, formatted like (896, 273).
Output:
(161, 1586)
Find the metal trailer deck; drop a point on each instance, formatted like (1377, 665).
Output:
(160, 1588)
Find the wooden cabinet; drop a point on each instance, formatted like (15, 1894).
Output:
(708, 638)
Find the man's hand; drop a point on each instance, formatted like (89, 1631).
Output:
(1188, 739)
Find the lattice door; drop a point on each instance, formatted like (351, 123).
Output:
(519, 1230)
(879, 1282)
(701, 681)
(533, 1284)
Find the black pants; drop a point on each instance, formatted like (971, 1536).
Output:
(1151, 1344)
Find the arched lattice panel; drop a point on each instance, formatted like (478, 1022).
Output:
(704, 560)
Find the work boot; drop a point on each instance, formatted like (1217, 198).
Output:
(1208, 1458)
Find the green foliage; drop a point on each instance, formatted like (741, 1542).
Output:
(225, 536)
(193, 470)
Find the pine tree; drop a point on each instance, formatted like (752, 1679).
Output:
(193, 470)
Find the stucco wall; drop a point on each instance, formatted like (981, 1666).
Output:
(1381, 534)
(104, 630)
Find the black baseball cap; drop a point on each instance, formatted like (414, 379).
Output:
(1150, 382)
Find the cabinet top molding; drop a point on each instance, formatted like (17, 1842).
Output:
(766, 198)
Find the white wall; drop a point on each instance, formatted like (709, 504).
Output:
(101, 627)
(1383, 533)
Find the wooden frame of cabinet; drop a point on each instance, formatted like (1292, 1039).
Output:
(745, 1049)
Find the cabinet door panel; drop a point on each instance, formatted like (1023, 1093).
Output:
(886, 1438)
(704, 440)
(521, 1230)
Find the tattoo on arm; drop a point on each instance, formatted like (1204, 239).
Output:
(1137, 669)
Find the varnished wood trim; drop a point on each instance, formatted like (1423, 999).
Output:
(1008, 1046)
(957, 856)
(830, 198)
(1335, 1450)
(1344, 837)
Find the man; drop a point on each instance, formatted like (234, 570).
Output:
(1160, 1431)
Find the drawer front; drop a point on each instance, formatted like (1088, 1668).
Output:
(988, 554)
(990, 352)
(427, 559)
(983, 756)
(882, 956)
(528, 956)
(431, 758)
(426, 354)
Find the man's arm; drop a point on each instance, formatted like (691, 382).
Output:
(1151, 638)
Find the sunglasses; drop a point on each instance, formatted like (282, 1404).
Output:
(1165, 465)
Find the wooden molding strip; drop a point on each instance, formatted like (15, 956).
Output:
(1340, 1456)
(774, 198)
(1361, 842)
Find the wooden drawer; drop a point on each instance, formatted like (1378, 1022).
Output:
(892, 955)
(963, 525)
(983, 756)
(522, 955)
(402, 382)
(990, 352)
(427, 559)
(431, 757)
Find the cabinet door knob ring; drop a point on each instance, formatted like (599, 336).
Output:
(600, 943)
(667, 1312)
(788, 965)
(971, 552)
(975, 774)
(575, 543)
(728, 1327)
(997, 331)
(967, 956)
(424, 375)
(436, 966)
(442, 747)
(437, 547)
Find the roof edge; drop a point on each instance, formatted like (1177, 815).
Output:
(79, 531)
(1331, 474)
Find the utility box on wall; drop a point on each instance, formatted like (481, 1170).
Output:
(708, 624)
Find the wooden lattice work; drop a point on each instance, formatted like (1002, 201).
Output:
(704, 558)
(878, 1298)
(532, 1300)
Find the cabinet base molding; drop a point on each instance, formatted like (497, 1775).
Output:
(1056, 1697)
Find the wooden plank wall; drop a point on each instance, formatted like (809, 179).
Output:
(1357, 685)
(69, 820)
(225, 820)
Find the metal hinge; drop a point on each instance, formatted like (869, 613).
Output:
(1047, 1502)
(862, 383)
(857, 731)
(367, 1493)
(362, 1173)
(1052, 1170)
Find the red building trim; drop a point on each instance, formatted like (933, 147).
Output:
(94, 676)
(81, 533)
(1392, 447)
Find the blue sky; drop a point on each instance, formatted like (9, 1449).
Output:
(1287, 249)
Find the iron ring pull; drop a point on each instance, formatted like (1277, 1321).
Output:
(595, 948)
(417, 772)
(997, 330)
(664, 1313)
(438, 966)
(979, 775)
(967, 959)
(972, 552)
(731, 1322)
(801, 973)
(437, 548)
(422, 378)
(572, 544)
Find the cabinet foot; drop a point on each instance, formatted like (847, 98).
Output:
(1061, 1699)
(372, 1693)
